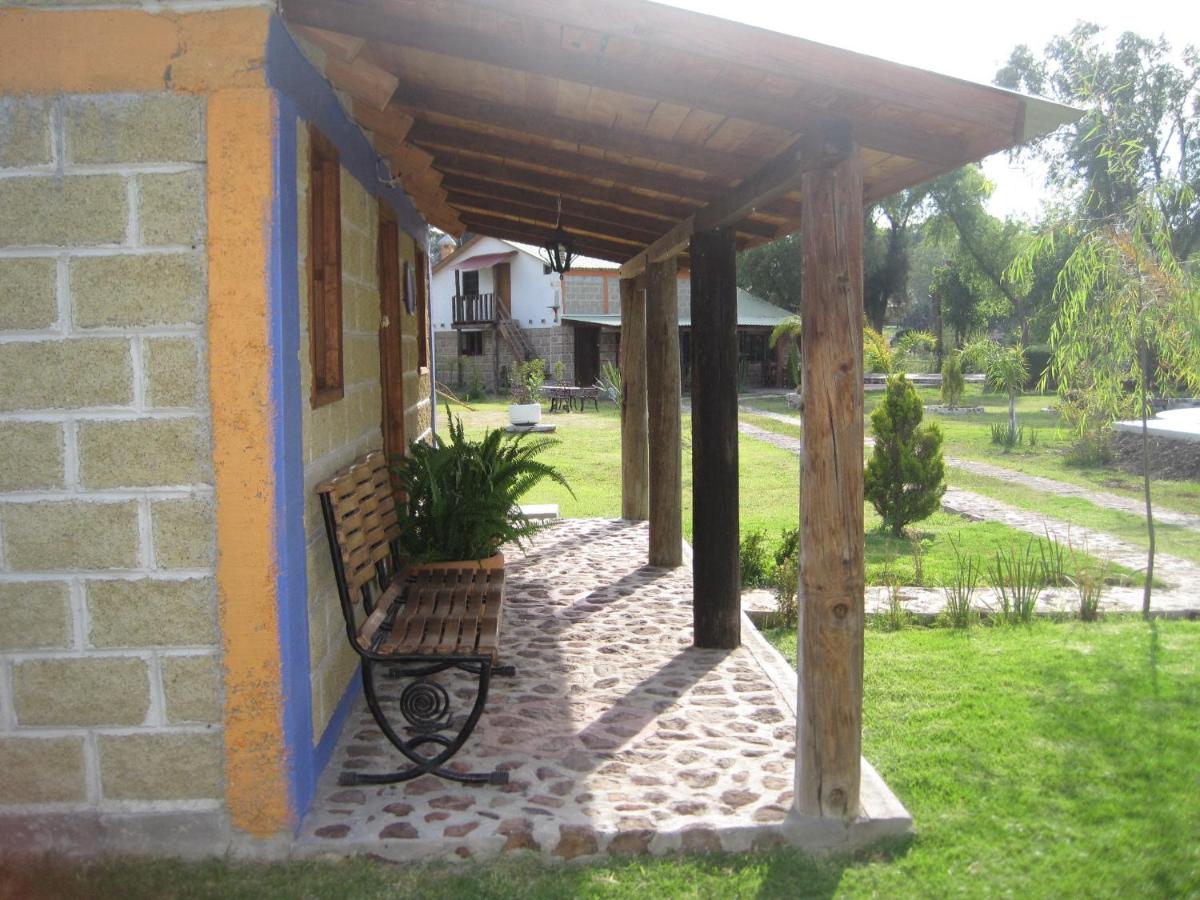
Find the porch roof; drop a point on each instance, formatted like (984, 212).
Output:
(648, 122)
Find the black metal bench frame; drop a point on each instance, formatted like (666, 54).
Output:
(387, 598)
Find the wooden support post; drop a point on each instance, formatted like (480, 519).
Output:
(635, 497)
(830, 646)
(663, 389)
(716, 592)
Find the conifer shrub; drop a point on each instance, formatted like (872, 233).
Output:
(905, 476)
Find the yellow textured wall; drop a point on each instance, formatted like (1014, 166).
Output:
(337, 433)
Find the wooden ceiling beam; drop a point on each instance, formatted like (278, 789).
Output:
(573, 224)
(403, 26)
(515, 231)
(389, 124)
(562, 186)
(599, 212)
(339, 46)
(772, 181)
(362, 80)
(415, 100)
(570, 163)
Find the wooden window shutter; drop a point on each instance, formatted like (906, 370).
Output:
(325, 270)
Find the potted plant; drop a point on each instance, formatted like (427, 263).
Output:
(462, 497)
(526, 408)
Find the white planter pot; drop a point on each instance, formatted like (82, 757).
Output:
(525, 413)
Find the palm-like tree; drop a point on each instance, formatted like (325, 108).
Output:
(1008, 371)
(789, 330)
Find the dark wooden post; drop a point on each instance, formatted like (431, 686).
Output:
(635, 497)
(716, 597)
(663, 389)
(830, 646)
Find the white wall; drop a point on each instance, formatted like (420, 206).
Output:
(533, 293)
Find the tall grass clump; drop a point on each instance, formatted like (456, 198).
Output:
(959, 589)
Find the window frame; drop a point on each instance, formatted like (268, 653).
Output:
(325, 271)
(470, 337)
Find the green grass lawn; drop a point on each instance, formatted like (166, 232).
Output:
(1057, 760)
(969, 437)
(589, 455)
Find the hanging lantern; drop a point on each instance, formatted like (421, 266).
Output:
(559, 250)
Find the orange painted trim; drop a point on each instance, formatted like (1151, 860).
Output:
(241, 127)
(102, 51)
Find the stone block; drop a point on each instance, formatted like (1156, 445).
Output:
(184, 533)
(137, 290)
(173, 372)
(144, 452)
(160, 766)
(149, 613)
(34, 615)
(171, 208)
(70, 535)
(192, 687)
(68, 374)
(27, 293)
(134, 128)
(31, 456)
(42, 770)
(62, 211)
(24, 132)
(82, 691)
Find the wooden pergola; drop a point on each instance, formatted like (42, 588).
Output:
(672, 139)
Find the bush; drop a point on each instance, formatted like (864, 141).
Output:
(905, 477)
(530, 377)
(787, 577)
(752, 559)
(1091, 450)
(953, 383)
(793, 367)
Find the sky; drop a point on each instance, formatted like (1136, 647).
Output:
(966, 40)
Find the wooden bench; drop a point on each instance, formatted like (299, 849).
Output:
(412, 623)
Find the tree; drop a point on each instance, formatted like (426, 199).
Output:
(772, 271)
(984, 246)
(1006, 370)
(905, 476)
(889, 238)
(962, 309)
(1135, 97)
(1130, 315)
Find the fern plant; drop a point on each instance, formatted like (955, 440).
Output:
(463, 496)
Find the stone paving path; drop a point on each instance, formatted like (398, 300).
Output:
(1035, 482)
(1183, 576)
(619, 737)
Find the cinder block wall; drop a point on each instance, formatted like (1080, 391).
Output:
(338, 433)
(110, 689)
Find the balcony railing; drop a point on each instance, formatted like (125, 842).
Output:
(474, 309)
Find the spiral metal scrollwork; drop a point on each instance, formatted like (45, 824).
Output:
(425, 705)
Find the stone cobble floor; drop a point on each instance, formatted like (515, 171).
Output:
(619, 737)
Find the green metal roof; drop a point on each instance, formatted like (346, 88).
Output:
(752, 312)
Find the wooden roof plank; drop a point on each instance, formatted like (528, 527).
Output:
(413, 99)
(571, 163)
(401, 25)
(343, 47)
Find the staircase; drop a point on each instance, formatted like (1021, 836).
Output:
(516, 339)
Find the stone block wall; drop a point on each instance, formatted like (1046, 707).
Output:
(110, 675)
(549, 345)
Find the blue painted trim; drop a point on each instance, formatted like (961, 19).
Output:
(287, 404)
(322, 753)
(289, 73)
